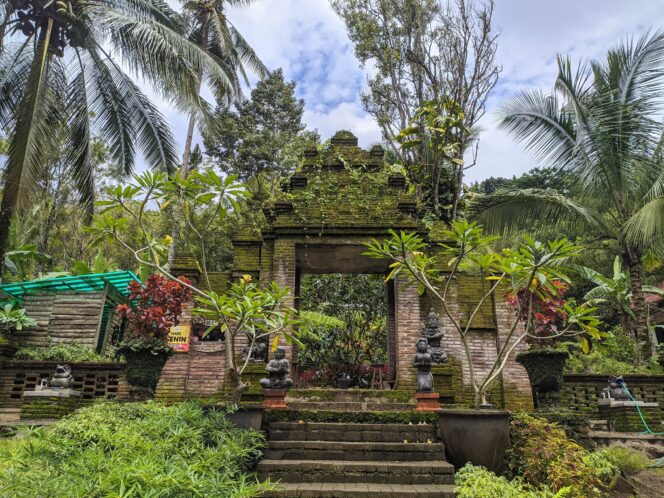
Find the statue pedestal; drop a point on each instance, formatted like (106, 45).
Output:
(427, 402)
(275, 399)
(49, 403)
(623, 416)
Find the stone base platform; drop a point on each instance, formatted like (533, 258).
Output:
(49, 403)
(623, 416)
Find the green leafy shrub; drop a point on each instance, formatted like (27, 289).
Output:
(133, 450)
(604, 468)
(541, 453)
(66, 353)
(628, 461)
(477, 482)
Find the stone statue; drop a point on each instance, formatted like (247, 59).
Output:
(258, 353)
(432, 332)
(616, 389)
(62, 379)
(278, 371)
(422, 362)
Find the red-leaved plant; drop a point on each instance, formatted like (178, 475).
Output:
(158, 306)
(545, 315)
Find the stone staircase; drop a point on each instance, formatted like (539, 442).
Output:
(343, 460)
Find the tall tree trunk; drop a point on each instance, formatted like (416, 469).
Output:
(638, 324)
(184, 171)
(6, 211)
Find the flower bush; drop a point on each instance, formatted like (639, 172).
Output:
(544, 314)
(132, 450)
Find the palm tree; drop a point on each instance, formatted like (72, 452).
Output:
(601, 128)
(210, 29)
(56, 70)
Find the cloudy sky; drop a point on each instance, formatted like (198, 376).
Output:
(308, 40)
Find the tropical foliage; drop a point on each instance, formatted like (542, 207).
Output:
(601, 129)
(199, 199)
(527, 273)
(134, 450)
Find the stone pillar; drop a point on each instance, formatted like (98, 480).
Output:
(284, 273)
(407, 320)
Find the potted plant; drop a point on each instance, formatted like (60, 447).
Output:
(158, 306)
(545, 316)
(12, 319)
(527, 270)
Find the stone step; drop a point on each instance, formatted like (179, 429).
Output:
(357, 395)
(317, 431)
(298, 471)
(350, 406)
(353, 490)
(354, 451)
(599, 425)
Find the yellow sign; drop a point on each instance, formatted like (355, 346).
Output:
(178, 338)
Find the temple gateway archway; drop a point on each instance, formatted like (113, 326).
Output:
(345, 196)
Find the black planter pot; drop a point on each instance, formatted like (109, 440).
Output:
(476, 436)
(144, 367)
(545, 371)
(247, 418)
(344, 382)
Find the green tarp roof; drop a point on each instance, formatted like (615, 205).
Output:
(80, 283)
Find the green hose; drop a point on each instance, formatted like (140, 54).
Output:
(648, 430)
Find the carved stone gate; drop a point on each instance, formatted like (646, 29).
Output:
(342, 197)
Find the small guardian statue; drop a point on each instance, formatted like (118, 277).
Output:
(278, 372)
(258, 353)
(616, 389)
(422, 362)
(433, 333)
(61, 379)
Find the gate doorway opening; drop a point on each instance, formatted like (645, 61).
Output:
(355, 351)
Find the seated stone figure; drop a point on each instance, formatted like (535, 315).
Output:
(278, 371)
(423, 364)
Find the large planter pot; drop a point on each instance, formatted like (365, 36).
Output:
(545, 371)
(144, 367)
(476, 436)
(249, 417)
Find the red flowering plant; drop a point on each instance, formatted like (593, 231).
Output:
(544, 314)
(158, 306)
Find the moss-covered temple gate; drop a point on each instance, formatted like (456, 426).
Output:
(342, 197)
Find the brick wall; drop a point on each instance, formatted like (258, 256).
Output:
(93, 380)
(513, 388)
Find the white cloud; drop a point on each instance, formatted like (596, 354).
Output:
(308, 40)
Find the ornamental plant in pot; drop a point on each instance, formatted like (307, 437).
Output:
(12, 319)
(158, 306)
(545, 315)
(532, 266)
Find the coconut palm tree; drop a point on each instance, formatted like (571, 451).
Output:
(56, 70)
(210, 29)
(601, 128)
